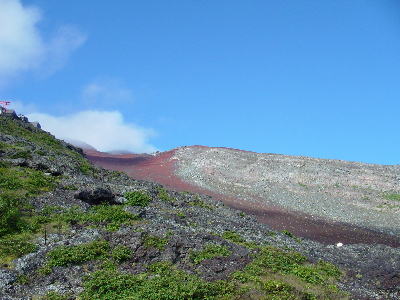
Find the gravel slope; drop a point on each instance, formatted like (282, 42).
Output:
(334, 190)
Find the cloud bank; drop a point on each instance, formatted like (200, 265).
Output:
(105, 130)
(22, 47)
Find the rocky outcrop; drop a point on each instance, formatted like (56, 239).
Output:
(97, 196)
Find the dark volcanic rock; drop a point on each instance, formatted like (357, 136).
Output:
(96, 196)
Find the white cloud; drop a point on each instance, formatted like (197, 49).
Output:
(23, 108)
(104, 130)
(22, 47)
(106, 91)
(67, 39)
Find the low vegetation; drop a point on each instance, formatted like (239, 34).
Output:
(14, 246)
(43, 140)
(152, 241)
(289, 275)
(137, 198)
(288, 233)
(208, 252)
(392, 197)
(109, 216)
(236, 238)
(121, 253)
(20, 183)
(73, 255)
(164, 196)
(36, 136)
(233, 237)
(86, 168)
(52, 295)
(263, 277)
(100, 250)
(200, 203)
(162, 281)
(17, 185)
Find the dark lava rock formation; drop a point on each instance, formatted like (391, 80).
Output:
(96, 196)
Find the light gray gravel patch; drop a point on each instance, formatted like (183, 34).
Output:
(335, 190)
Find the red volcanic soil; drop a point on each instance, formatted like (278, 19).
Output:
(160, 168)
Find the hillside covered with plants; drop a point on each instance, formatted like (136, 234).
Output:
(69, 230)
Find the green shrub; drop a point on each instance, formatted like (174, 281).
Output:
(4, 146)
(10, 215)
(86, 168)
(155, 242)
(23, 279)
(161, 282)
(121, 254)
(110, 216)
(308, 273)
(137, 198)
(238, 239)
(328, 269)
(74, 255)
(25, 181)
(309, 296)
(288, 233)
(393, 197)
(275, 287)
(40, 137)
(73, 215)
(278, 260)
(164, 196)
(52, 295)
(233, 237)
(303, 278)
(10, 180)
(97, 250)
(41, 152)
(210, 251)
(16, 185)
(22, 154)
(200, 203)
(180, 214)
(113, 216)
(70, 187)
(14, 246)
(289, 262)
(116, 174)
(4, 164)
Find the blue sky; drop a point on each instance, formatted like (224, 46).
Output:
(312, 78)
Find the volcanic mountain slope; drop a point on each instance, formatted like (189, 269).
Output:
(69, 230)
(327, 200)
